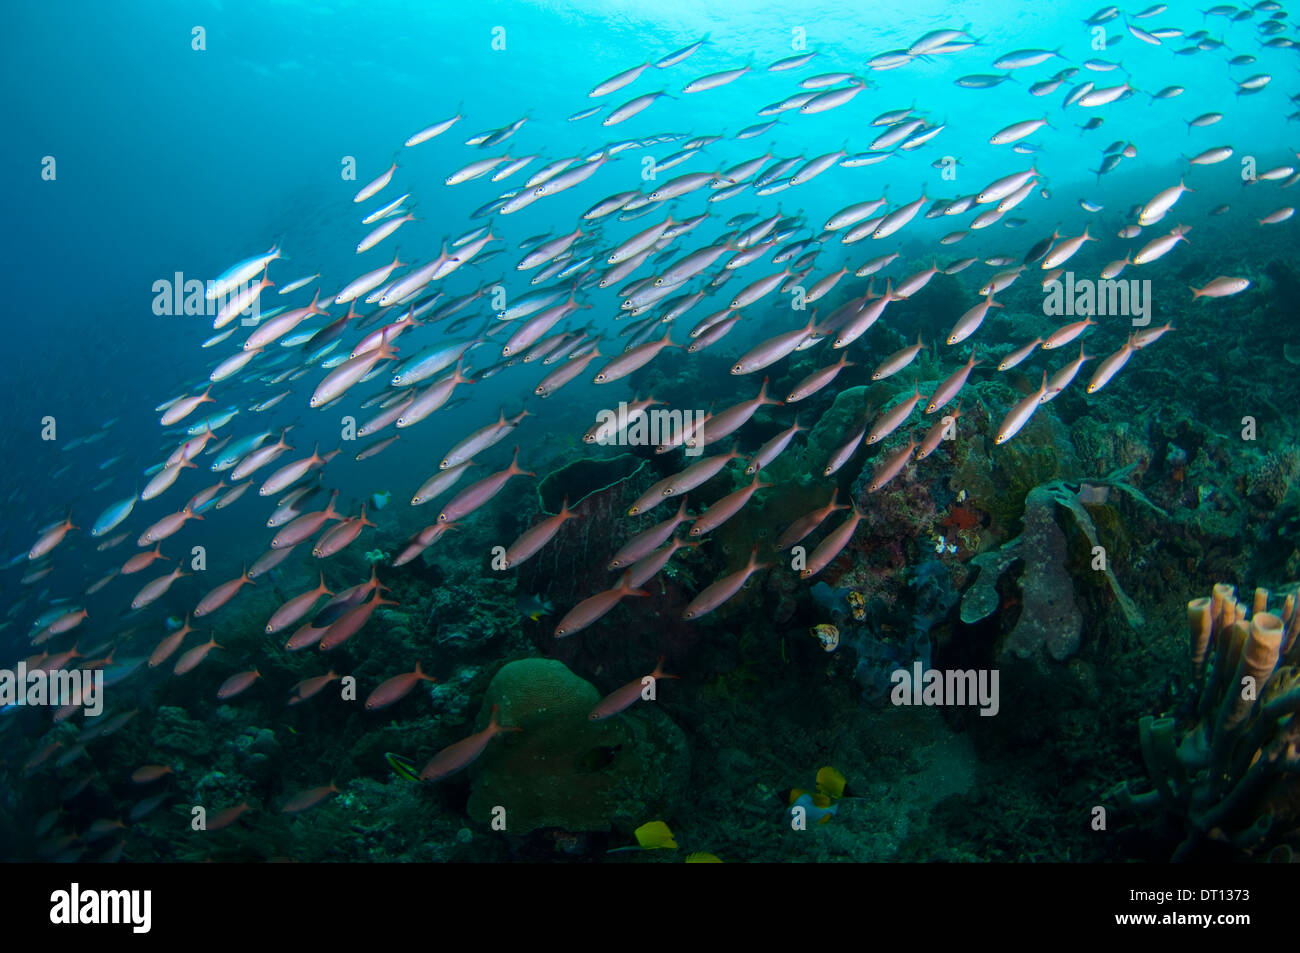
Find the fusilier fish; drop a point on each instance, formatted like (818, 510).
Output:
(375, 185)
(1019, 415)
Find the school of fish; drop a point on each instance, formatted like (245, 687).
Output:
(658, 264)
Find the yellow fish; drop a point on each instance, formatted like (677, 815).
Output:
(654, 835)
(650, 836)
(830, 782)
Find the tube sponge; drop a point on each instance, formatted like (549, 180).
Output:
(1234, 777)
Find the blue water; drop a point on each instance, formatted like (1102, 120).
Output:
(171, 159)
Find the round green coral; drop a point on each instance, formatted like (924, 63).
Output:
(563, 770)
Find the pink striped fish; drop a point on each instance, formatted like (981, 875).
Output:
(831, 546)
(456, 756)
(590, 610)
(222, 594)
(191, 659)
(167, 647)
(306, 800)
(722, 590)
(351, 622)
(725, 508)
(341, 536)
(647, 541)
(310, 686)
(629, 361)
(531, 540)
(773, 448)
(733, 418)
(649, 567)
(809, 522)
(622, 698)
(237, 684)
(477, 494)
(306, 525)
(296, 608)
(396, 688)
(892, 466)
(155, 590)
(699, 472)
(481, 439)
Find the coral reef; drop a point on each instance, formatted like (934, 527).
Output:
(1050, 618)
(583, 478)
(878, 632)
(563, 569)
(1269, 479)
(996, 480)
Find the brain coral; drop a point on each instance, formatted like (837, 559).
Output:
(563, 770)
